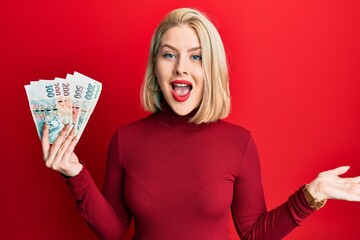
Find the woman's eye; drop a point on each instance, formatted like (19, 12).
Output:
(196, 57)
(168, 55)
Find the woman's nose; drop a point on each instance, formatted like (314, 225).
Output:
(181, 67)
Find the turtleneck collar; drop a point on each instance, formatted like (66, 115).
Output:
(167, 117)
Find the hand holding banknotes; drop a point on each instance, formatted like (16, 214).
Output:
(60, 155)
(61, 109)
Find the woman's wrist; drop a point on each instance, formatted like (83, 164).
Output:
(316, 189)
(74, 171)
(314, 197)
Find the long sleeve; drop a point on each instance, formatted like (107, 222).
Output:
(251, 218)
(178, 181)
(105, 212)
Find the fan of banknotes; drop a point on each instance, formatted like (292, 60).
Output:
(62, 101)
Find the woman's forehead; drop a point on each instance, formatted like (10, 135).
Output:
(182, 36)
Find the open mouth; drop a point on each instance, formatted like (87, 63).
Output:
(181, 90)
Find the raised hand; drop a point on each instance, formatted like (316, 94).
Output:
(328, 185)
(60, 155)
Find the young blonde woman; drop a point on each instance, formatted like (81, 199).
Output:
(181, 171)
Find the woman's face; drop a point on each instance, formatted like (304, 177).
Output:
(178, 69)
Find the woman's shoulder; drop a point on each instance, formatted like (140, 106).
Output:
(228, 132)
(231, 127)
(136, 125)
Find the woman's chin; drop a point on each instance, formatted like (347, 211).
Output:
(182, 110)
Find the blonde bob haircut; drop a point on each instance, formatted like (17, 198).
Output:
(215, 103)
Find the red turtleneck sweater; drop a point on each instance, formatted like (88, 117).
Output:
(182, 181)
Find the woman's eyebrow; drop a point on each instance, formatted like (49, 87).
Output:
(194, 49)
(175, 49)
(169, 46)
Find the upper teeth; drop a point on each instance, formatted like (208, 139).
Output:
(181, 84)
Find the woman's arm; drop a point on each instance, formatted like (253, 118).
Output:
(105, 212)
(251, 218)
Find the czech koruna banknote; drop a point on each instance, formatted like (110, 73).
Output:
(62, 101)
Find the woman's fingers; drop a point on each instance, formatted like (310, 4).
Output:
(70, 159)
(56, 145)
(356, 179)
(64, 148)
(332, 186)
(340, 170)
(45, 141)
(67, 162)
(60, 155)
(54, 148)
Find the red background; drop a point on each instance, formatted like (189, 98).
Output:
(294, 68)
